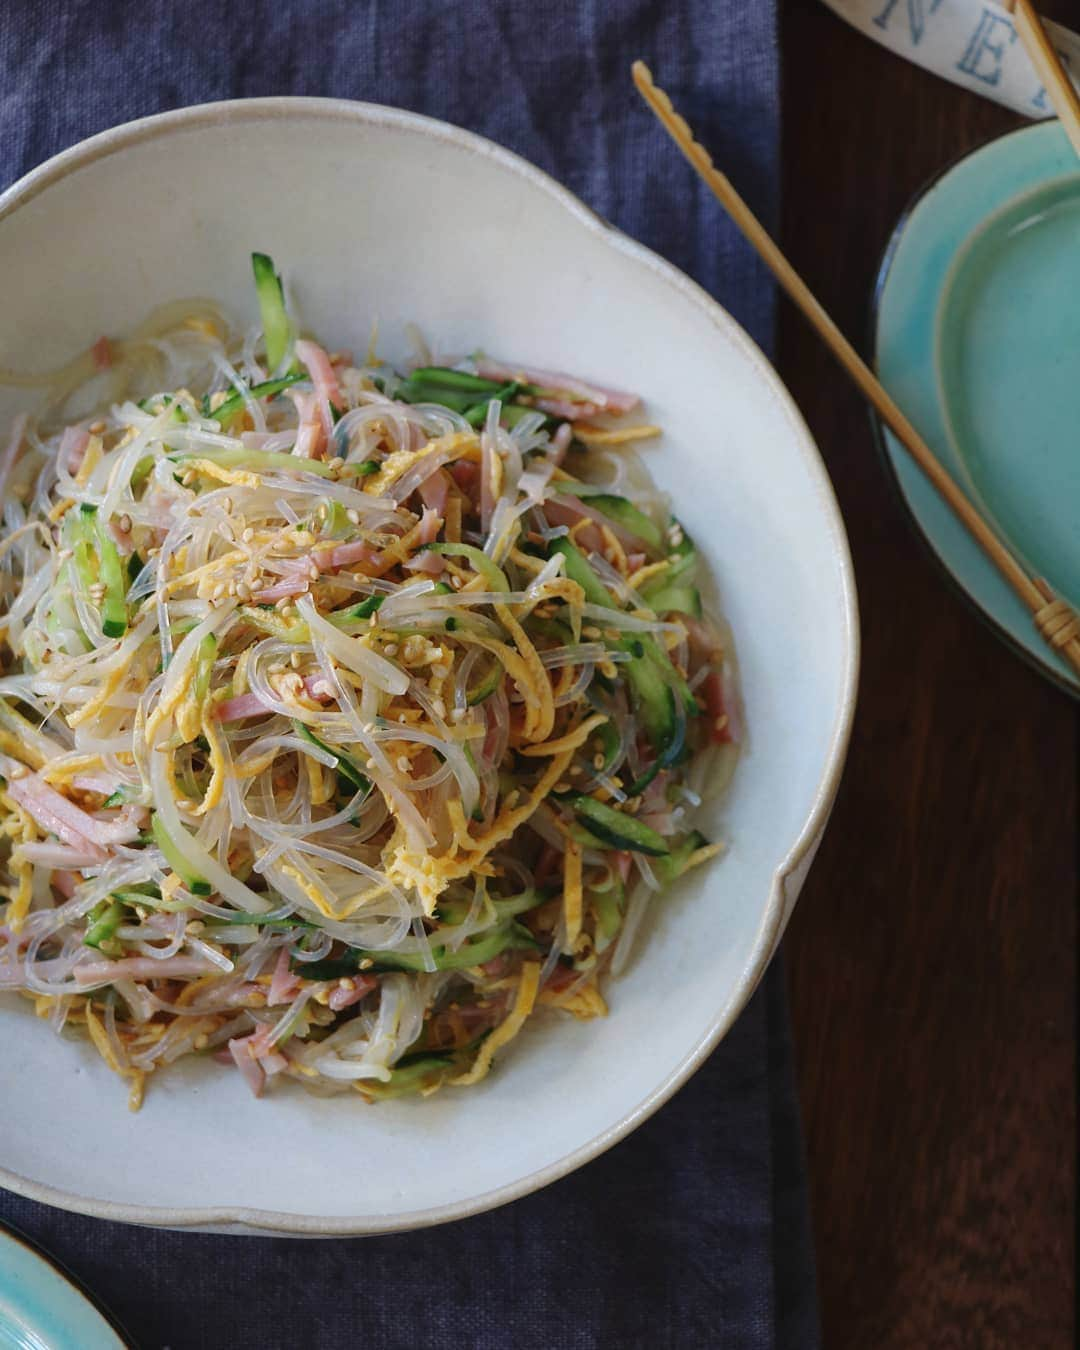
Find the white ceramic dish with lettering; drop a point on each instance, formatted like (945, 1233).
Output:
(499, 256)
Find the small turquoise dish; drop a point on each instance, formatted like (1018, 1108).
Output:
(976, 333)
(40, 1307)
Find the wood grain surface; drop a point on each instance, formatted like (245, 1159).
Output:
(932, 957)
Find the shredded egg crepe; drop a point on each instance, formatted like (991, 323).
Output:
(347, 717)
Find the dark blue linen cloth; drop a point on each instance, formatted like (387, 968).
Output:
(692, 1233)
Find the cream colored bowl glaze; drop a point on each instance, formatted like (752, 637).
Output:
(370, 211)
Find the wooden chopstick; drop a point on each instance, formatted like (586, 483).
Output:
(1059, 88)
(1055, 620)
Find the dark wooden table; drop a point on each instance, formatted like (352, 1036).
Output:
(932, 956)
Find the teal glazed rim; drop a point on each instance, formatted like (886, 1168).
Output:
(98, 1327)
(1001, 610)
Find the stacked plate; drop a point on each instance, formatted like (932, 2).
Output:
(977, 336)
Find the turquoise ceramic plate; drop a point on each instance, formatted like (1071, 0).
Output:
(977, 336)
(41, 1309)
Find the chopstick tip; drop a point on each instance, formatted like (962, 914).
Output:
(651, 92)
(642, 75)
(677, 127)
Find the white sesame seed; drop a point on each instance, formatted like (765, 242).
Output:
(353, 516)
(403, 763)
(248, 535)
(295, 660)
(243, 590)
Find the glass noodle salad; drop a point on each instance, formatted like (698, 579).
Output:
(347, 717)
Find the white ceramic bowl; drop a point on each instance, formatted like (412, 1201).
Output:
(370, 211)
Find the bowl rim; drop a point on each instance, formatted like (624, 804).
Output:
(790, 871)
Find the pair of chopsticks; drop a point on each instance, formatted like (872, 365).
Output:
(1059, 88)
(1055, 620)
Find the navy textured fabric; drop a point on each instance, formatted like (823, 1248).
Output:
(692, 1233)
